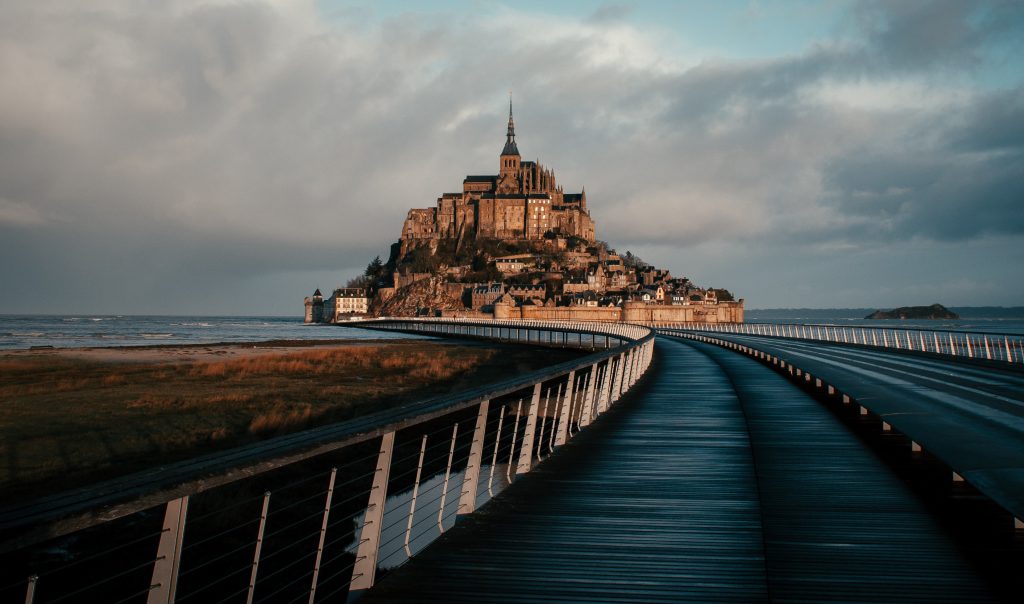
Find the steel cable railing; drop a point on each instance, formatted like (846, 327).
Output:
(988, 346)
(395, 489)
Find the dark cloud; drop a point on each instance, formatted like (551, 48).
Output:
(994, 123)
(915, 34)
(209, 145)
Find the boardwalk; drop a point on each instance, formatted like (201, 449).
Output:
(698, 490)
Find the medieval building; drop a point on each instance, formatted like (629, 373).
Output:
(522, 202)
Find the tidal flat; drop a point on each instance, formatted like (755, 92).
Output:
(69, 417)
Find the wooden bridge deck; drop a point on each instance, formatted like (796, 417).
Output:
(970, 417)
(694, 489)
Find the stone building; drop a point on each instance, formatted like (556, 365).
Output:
(524, 292)
(314, 307)
(485, 295)
(522, 202)
(346, 301)
(515, 264)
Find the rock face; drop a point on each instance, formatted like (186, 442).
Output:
(423, 297)
(933, 312)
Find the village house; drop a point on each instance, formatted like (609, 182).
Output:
(587, 298)
(515, 264)
(346, 301)
(575, 287)
(527, 292)
(485, 294)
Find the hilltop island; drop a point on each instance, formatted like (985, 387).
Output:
(515, 245)
(933, 312)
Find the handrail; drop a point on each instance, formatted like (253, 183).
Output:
(1006, 348)
(545, 408)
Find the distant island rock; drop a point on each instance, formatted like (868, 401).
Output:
(933, 312)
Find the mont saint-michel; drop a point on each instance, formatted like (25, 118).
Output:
(516, 245)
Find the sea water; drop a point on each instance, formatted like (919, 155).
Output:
(977, 319)
(77, 331)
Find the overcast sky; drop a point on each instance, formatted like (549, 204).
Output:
(226, 157)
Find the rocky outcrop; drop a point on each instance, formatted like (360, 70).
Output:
(933, 312)
(424, 297)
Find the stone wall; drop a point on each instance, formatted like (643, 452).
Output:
(632, 312)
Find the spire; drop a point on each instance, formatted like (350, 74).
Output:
(511, 123)
(510, 139)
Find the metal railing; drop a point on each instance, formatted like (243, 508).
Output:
(1007, 348)
(315, 515)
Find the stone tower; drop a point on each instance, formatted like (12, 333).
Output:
(508, 175)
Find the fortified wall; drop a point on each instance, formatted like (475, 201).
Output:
(630, 312)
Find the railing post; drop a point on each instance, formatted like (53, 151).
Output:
(447, 476)
(563, 421)
(259, 547)
(559, 392)
(606, 386)
(544, 422)
(588, 398)
(168, 553)
(526, 450)
(619, 372)
(471, 481)
(415, 495)
(323, 535)
(365, 569)
(30, 589)
(494, 459)
(634, 364)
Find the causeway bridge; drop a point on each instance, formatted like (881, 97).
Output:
(704, 463)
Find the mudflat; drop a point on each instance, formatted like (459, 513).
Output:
(72, 416)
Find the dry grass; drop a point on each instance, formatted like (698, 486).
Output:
(84, 419)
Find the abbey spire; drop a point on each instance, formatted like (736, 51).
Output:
(510, 138)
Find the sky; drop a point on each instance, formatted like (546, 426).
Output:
(228, 157)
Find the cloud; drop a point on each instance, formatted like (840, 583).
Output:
(610, 12)
(916, 34)
(242, 137)
(19, 214)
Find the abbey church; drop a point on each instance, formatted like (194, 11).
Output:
(515, 245)
(522, 202)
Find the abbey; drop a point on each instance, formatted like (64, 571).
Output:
(522, 202)
(515, 245)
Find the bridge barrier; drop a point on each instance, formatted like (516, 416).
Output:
(316, 515)
(888, 424)
(999, 347)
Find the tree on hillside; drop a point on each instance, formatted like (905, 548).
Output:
(723, 295)
(375, 269)
(362, 281)
(631, 260)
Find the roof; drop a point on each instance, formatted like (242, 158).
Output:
(350, 292)
(510, 147)
(317, 292)
(479, 178)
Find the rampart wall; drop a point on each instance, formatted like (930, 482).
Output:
(632, 312)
